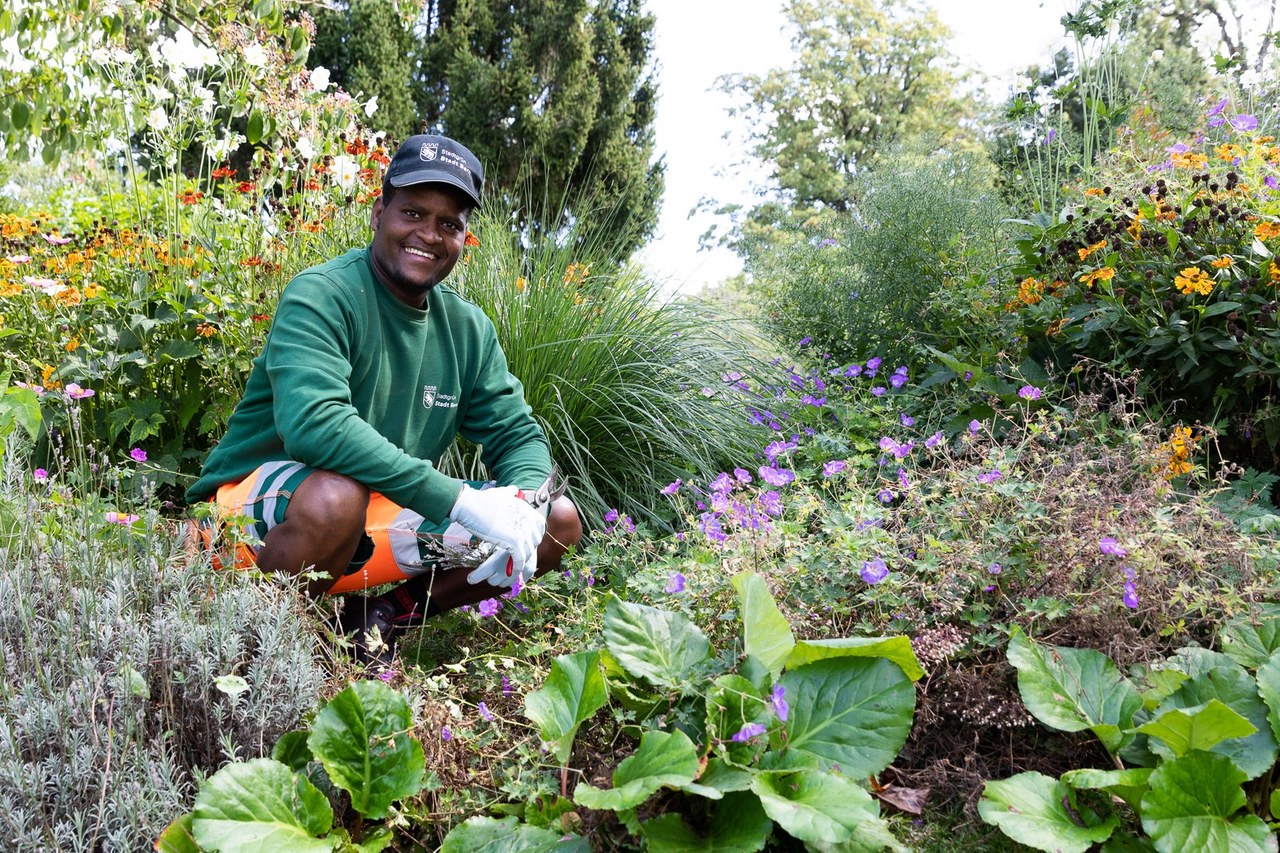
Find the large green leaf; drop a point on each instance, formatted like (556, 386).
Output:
(766, 635)
(732, 702)
(1203, 727)
(1269, 691)
(1041, 812)
(1074, 689)
(1250, 642)
(850, 713)
(1190, 804)
(896, 649)
(178, 837)
(658, 645)
(1236, 689)
(362, 738)
(724, 777)
(738, 825)
(1129, 784)
(813, 806)
(573, 691)
(488, 835)
(260, 806)
(664, 758)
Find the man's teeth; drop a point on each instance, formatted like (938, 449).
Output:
(421, 253)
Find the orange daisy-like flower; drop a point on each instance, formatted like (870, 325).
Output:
(472, 240)
(1055, 328)
(1103, 274)
(255, 261)
(1193, 280)
(1189, 160)
(206, 330)
(246, 187)
(224, 172)
(1089, 250)
(1267, 230)
(1096, 192)
(190, 196)
(1222, 262)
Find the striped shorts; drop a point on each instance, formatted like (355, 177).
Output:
(398, 543)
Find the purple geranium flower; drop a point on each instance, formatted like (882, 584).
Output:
(1110, 547)
(873, 364)
(674, 584)
(138, 454)
(776, 476)
(779, 703)
(874, 571)
(485, 712)
(832, 467)
(672, 488)
(1029, 392)
(974, 426)
(1244, 122)
(878, 391)
(1130, 597)
(489, 607)
(988, 477)
(1218, 107)
(749, 731)
(884, 496)
(933, 440)
(771, 503)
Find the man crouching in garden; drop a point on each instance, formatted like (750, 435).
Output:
(371, 370)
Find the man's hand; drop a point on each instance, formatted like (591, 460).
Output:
(500, 516)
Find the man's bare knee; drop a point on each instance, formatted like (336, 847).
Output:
(329, 502)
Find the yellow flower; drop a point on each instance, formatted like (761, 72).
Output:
(521, 282)
(1135, 227)
(576, 273)
(1029, 290)
(1274, 271)
(1222, 262)
(1089, 250)
(1194, 280)
(1229, 152)
(72, 345)
(1190, 160)
(70, 296)
(92, 289)
(1103, 274)
(1095, 192)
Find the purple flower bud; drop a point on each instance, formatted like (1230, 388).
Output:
(485, 712)
(1109, 546)
(779, 703)
(672, 488)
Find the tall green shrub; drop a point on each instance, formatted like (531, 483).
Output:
(908, 267)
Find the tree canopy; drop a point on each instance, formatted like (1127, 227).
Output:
(866, 73)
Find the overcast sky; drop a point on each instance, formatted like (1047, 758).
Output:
(699, 40)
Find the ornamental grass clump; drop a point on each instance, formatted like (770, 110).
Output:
(1172, 275)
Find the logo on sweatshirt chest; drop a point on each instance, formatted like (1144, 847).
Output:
(433, 399)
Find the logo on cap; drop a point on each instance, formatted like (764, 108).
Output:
(429, 150)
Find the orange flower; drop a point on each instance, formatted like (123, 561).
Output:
(72, 345)
(472, 240)
(190, 196)
(225, 172)
(1029, 290)
(576, 273)
(206, 330)
(246, 187)
(1103, 274)
(1056, 327)
(1267, 230)
(260, 318)
(1229, 152)
(255, 261)
(1222, 262)
(1190, 160)
(1095, 192)
(1194, 280)
(357, 148)
(10, 288)
(92, 289)
(521, 282)
(1089, 250)
(69, 296)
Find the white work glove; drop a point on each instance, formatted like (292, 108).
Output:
(502, 517)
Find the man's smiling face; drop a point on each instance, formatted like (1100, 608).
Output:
(417, 238)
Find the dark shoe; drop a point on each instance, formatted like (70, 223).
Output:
(369, 623)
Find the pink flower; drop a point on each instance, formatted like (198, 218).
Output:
(138, 454)
(75, 392)
(40, 475)
(121, 518)
(18, 259)
(55, 240)
(1110, 547)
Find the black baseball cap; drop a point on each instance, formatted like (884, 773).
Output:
(429, 159)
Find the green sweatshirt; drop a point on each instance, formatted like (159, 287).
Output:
(354, 381)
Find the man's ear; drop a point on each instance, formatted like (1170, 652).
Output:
(375, 214)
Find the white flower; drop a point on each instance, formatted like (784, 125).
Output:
(320, 78)
(254, 55)
(222, 149)
(204, 100)
(306, 147)
(158, 93)
(345, 171)
(371, 106)
(1157, 55)
(158, 119)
